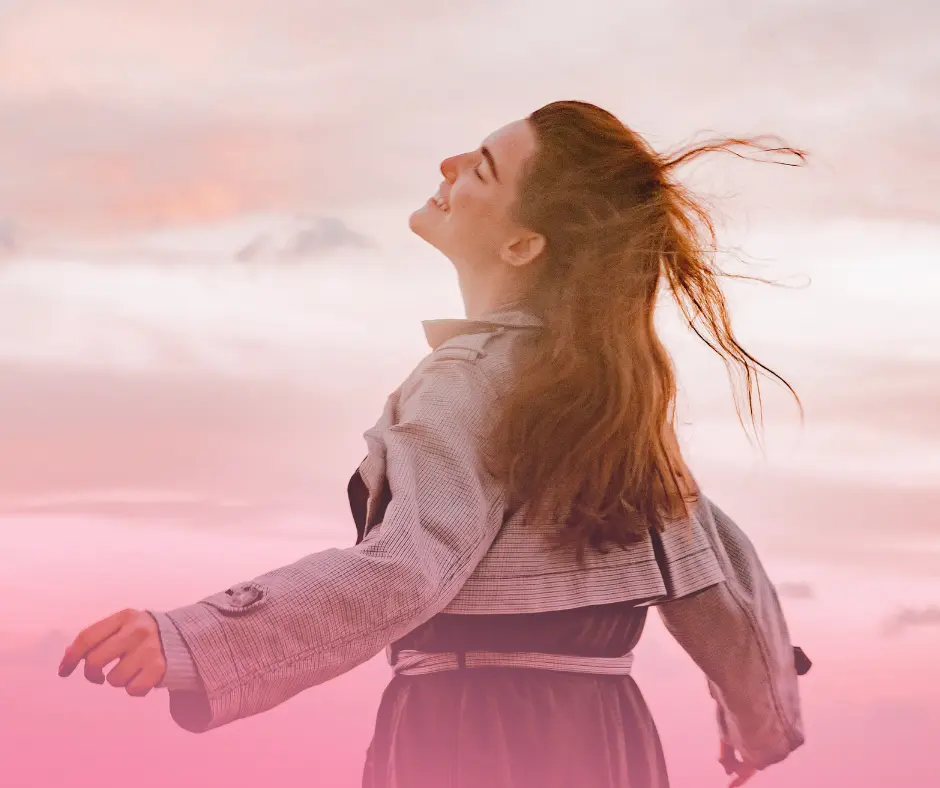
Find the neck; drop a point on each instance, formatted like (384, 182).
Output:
(487, 292)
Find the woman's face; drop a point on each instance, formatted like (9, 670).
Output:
(469, 219)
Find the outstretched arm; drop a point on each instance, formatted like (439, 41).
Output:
(245, 650)
(737, 634)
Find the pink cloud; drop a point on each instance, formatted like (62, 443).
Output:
(280, 107)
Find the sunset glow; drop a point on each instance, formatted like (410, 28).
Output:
(209, 289)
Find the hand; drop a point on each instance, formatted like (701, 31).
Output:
(133, 638)
(742, 770)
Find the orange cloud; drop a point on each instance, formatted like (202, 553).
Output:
(187, 177)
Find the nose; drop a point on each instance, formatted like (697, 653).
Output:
(452, 167)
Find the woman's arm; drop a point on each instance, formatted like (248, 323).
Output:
(264, 641)
(736, 633)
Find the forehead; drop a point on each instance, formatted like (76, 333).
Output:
(511, 146)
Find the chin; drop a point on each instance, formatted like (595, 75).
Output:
(421, 224)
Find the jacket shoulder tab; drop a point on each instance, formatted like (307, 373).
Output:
(470, 346)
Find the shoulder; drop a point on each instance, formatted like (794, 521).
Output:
(464, 377)
(448, 386)
(480, 354)
(491, 352)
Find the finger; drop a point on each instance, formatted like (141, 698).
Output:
(742, 777)
(135, 658)
(146, 679)
(729, 765)
(728, 759)
(88, 639)
(119, 646)
(125, 670)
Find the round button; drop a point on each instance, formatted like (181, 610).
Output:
(242, 596)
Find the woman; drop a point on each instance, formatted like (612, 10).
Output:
(522, 503)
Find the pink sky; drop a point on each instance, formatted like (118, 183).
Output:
(124, 116)
(173, 420)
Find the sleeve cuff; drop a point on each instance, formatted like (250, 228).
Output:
(181, 673)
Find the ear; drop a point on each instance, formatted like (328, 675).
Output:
(523, 249)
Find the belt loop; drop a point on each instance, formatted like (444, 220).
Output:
(461, 660)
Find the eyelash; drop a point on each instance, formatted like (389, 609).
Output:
(477, 171)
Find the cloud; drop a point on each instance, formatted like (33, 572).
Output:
(190, 445)
(894, 396)
(912, 617)
(141, 168)
(796, 591)
(8, 238)
(304, 238)
(105, 126)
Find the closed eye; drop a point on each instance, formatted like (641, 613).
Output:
(476, 170)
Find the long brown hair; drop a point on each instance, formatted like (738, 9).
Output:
(587, 438)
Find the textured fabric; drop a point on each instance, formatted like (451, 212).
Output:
(434, 536)
(183, 676)
(514, 728)
(419, 663)
(737, 634)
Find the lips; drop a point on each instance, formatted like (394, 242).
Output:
(440, 203)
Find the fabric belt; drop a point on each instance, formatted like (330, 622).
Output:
(416, 663)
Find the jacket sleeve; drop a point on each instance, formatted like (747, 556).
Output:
(261, 642)
(736, 633)
(181, 673)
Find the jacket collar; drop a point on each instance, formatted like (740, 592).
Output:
(438, 332)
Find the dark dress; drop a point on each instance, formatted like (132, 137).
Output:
(511, 727)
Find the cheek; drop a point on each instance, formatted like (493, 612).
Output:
(471, 203)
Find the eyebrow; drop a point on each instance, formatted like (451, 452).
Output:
(488, 155)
